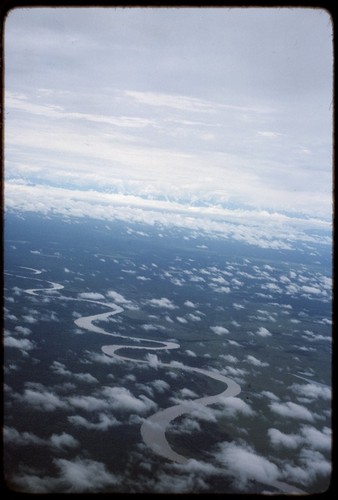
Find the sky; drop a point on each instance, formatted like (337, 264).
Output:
(214, 112)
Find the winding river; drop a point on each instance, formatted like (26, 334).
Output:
(153, 429)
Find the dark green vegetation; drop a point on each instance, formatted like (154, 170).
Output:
(259, 316)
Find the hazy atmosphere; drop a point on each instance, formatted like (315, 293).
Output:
(168, 250)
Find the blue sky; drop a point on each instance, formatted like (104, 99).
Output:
(167, 109)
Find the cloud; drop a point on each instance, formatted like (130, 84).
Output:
(163, 302)
(61, 441)
(95, 357)
(219, 330)
(42, 399)
(160, 385)
(24, 345)
(245, 465)
(312, 391)
(263, 332)
(84, 475)
(270, 395)
(152, 360)
(117, 297)
(121, 398)
(292, 410)
(188, 303)
(150, 327)
(91, 296)
(235, 406)
(23, 330)
(256, 362)
(60, 369)
(278, 438)
(103, 423)
(89, 403)
(312, 464)
(314, 438)
(190, 353)
(229, 357)
(193, 317)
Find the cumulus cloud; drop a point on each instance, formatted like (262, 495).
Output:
(263, 332)
(121, 398)
(292, 410)
(152, 360)
(235, 406)
(160, 385)
(96, 357)
(162, 302)
(188, 303)
(314, 438)
(117, 297)
(245, 465)
(81, 475)
(41, 399)
(309, 438)
(89, 403)
(91, 296)
(256, 362)
(229, 358)
(311, 464)
(278, 438)
(23, 345)
(23, 330)
(312, 391)
(56, 441)
(103, 422)
(219, 330)
(85, 475)
(270, 395)
(60, 369)
(148, 327)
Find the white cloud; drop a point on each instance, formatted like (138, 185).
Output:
(312, 391)
(91, 295)
(190, 353)
(270, 395)
(188, 303)
(151, 327)
(292, 410)
(163, 302)
(219, 330)
(56, 441)
(89, 403)
(121, 398)
(60, 369)
(263, 332)
(256, 362)
(245, 465)
(23, 345)
(312, 465)
(278, 438)
(160, 385)
(41, 399)
(117, 297)
(103, 422)
(63, 440)
(24, 330)
(85, 475)
(235, 406)
(229, 358)
(314, 438)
